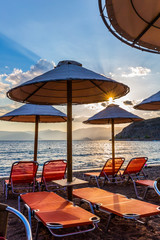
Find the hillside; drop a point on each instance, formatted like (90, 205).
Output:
(96, 133)
(145, 130)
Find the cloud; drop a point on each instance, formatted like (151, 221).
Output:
(4, 87)
(104, 104)
(2, 76)
(42, 66)
(9, 107)
(18, 76)
(137, 71)
(127, 102)
(80, 118)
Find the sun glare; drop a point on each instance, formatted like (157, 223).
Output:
(110, 100)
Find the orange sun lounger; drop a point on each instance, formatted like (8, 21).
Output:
(106, 172)
(56, 213)
(134, 169)
(148, 184)
(115, 204)
(22, 176)
(52, 170)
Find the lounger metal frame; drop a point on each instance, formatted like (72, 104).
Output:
(97, 206)
(51, 227)
(109, 178)
(22, 218)
(94, 207)
(55, 226)
(131, 175)
(43, 183)
(10, 186)
(157, 186)
(147, 188)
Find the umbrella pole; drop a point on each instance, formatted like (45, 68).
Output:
(69, 138)
(113, 148)
(36, 138)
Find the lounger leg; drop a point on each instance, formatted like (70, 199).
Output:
(19, 203)
(145, 192)
(89, 203)
(144, 174)
(84, 177)
(135, 189)
(106, 179)
(38, 186)
(6, 191)
(29, 214)
(37, 230)
(3, 186)
(111, 215)
(97, 182)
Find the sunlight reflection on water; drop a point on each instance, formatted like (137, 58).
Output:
(86, 154)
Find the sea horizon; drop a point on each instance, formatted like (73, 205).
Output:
(86, 154)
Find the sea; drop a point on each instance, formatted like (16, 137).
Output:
(86, 154)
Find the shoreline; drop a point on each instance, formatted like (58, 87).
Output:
(154, 164)
(120, 229)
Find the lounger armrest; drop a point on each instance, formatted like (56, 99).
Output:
(131, 216)
(23, 219)
(54, 225)
(95, 219)
(157, 186)
(97, 206)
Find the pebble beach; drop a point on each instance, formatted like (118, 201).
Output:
(119, 229)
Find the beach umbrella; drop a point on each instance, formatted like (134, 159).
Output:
(134, 22)
(152, 103)
(113, 114)
(68, 83)
(32, 113)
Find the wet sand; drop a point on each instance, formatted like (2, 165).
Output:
(119, 229)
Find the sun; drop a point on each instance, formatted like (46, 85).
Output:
(110, 100)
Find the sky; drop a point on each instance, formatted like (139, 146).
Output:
(36, 35)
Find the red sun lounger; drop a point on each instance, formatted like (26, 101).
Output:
(4, 211)
(148, 184)
(56, 213)
(134, 169)
(22, 177)
(106, 173)
(52, 170)
(115, 204)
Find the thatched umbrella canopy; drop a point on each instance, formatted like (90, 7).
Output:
(69, 83)
(32, 113)
(134, 22)
(113, 114)
(152, 103)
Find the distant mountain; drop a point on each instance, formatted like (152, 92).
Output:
(93, 133)
(96, 133)
(52, 135)
(145, 130)
(15, 136)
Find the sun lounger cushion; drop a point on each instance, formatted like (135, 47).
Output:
(54, 211)
(116, 203)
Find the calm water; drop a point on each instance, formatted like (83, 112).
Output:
(86, 154)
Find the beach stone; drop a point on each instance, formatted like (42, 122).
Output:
(119, 228)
